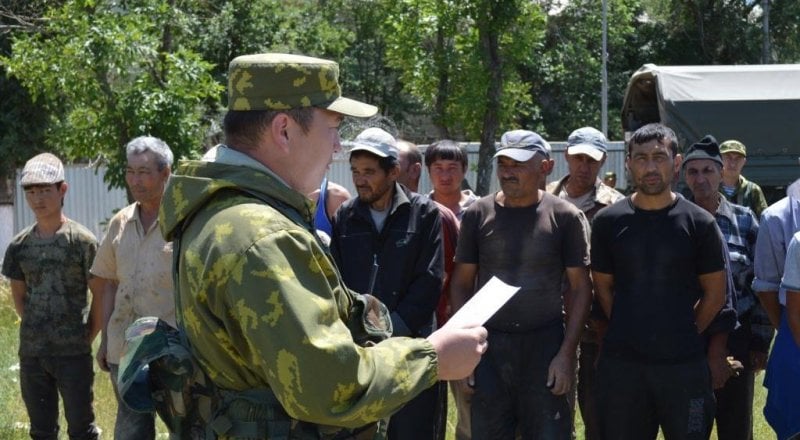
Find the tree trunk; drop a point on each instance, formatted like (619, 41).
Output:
(488, 34)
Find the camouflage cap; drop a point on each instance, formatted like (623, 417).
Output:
(42, 169)
(276, 81)
(733, 146)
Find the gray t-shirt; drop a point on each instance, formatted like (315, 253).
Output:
(528, 247)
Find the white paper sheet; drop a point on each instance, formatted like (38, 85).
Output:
(483, 305)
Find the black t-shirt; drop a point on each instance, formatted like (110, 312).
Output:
(528, 247)
(655, 258)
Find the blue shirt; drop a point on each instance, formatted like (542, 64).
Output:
(321, 220)
(779, 222)
(791, 274)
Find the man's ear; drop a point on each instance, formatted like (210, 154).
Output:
(416, 170)
(678, 162)
(547, 166)
(278, 131)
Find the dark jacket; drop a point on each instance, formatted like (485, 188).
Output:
(408, 252)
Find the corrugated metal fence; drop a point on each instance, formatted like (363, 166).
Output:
(615, 161)
(89, 202)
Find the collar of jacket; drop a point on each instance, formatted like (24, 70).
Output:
(399, 198)
(601, 193)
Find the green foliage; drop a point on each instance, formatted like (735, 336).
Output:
(106, 74)
(21, 121)
(436, 46)
(225, 29)
(568, 78)
(785, 30)
(85, 76)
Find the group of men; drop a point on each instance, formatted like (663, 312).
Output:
(629, 303)
(51, 264)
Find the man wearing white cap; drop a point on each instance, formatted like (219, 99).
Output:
(585, 155)
(48, 265)
(532, 239)
(387, 242)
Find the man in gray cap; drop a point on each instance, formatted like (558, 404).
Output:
(259, 296)
(749, 344)
(387, 242)
(585, 154)
(532, 239)
(48, 265)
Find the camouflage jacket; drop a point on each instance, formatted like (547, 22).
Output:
(748, 194)
(263, 304)
(602, 196)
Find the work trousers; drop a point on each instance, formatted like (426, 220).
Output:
(587, 373)
(635, 398)
(421, 418)
(511, 394)
(734, 415)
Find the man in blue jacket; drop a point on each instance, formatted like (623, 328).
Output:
(387, 242)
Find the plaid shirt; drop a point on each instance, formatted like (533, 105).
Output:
(740, 229)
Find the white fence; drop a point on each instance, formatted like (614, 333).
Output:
(91, 203)
(615, 161)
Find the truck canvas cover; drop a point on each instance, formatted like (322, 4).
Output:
(757, 104)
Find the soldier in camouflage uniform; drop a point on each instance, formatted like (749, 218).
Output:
(259, 297)
(734, 186)
(48, 265)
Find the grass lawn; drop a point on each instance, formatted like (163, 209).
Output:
(14, 419)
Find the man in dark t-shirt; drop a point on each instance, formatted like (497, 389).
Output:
(531, 239)
(659, 274)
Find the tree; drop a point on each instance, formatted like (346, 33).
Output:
(567, 78)
(785, 30)
(107, 72)
(456, 58)
(21, 121)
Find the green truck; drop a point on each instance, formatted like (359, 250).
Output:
(757, 104)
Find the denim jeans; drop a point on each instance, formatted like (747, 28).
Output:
(42, 379)
(131, 425)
